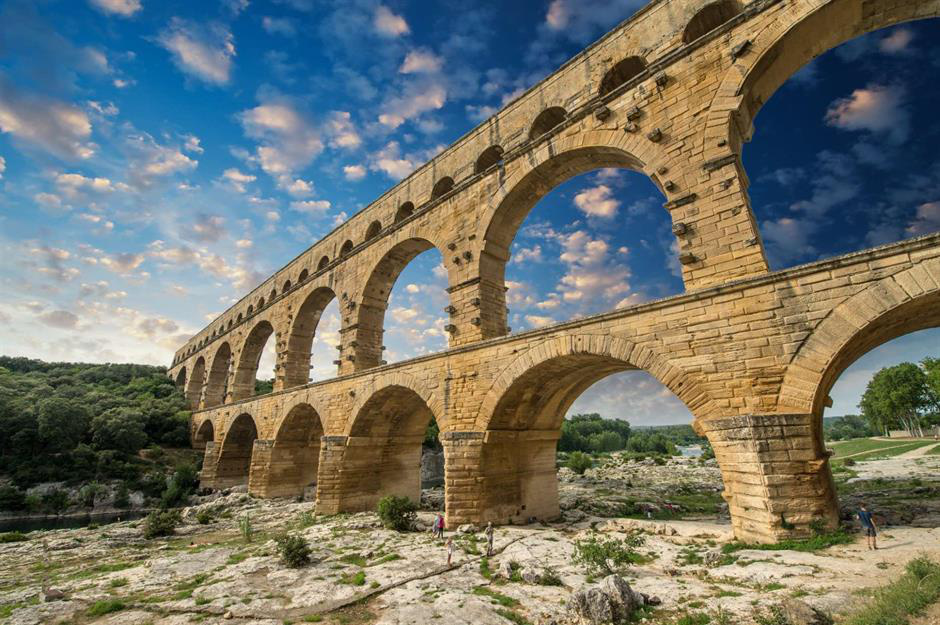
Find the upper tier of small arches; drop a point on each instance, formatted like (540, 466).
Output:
(384, 215)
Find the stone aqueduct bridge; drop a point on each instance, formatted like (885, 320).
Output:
(672, 92)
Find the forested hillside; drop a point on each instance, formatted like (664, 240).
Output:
(80, 423)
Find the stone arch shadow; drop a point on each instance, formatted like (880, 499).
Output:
(287, 464)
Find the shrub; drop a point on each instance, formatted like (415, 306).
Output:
(294, 550)
(397, 513)
(13, 537)
(849, 462)
(100, 608)
(204, 517)
(244, 526)
(607, 556)
(12, 498)
(579, 462)
(161, 523)
(550, 577)
(55, 500)
(122, 498)
(88, 493)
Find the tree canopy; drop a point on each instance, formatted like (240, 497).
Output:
(904, 396)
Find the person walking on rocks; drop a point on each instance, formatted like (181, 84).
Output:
(450, 549)
(489, 531)
(868, 524)
(439, 527)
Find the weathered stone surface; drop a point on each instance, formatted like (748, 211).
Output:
(610, 601)
(752, 354)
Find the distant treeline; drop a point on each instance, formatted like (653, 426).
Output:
(82, 422)
(593, 433)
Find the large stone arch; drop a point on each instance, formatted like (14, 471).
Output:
(391, 379)
(379, 455)
(520, 417)
(234, 457)
(196, 382)
(296, 362)
(886, 309)
(369, 314)
(611, 354)
(287, 465)
(218, 378)
(243, 382)
(804, 31)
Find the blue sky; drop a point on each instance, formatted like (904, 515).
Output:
(158, 159)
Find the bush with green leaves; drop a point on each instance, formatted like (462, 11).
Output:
(12, 498)
(161, 523)
(204, 517)
(579, 462)
(293, 549)
(122, 498)
(397, 513)
(606, 556)
(245, 528)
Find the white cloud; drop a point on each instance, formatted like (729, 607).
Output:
(71, 185)
(244, 243)
(342, 132)
(311, 207)
(192, 144)
(420, 62)
(52, 263)
(926, 221)
(835, 184)
(124, 8)
(149, 159)
(525, 254)
(390, 161)
(272, 216)
(539, 321)
(591, 279)
(236, 179)
(877, 108)
(352, 172)
(388, 24)
(558, 15)
(788, 239)
(597, 202)
(239, 275)
(412, 288)
(62, 319)
(208, 228)
(56, 127)
(288, 140)
(897, 42)
(299, 188)
(49, 200)
(108, 109)
(279, 26)
(400, 108)
(205, 52)
(3, 166)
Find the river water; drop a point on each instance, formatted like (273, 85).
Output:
(67, 521)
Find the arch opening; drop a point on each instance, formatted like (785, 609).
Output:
(196, 382)
(244, 384)
(346, 249)
(181, 378)
(412, 321)
(286, 287)
(373, 230)
(205, 434)
(523, 428)
(710, 17)
(621, 73)
(294, 458)
(218, 380)
(597, 241)
(234, 463)
(828, 123)
(442, 187)
(297, 363)
(404, 211)
(384, 449)
(323, 263)
(546, 121)
(488, 158)
(304, 274)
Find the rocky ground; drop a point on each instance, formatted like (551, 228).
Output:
(362, 573)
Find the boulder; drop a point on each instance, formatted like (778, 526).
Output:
(800, 613)
(531, 576)
(467, 528)
(505, 569)
(610, 601)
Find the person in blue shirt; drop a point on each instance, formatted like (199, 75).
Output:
(868, 524)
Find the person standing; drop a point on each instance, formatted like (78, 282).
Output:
(450, 549)
(868, 524)
(489, 538)
(439, 527)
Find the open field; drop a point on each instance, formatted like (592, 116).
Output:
(875, 448)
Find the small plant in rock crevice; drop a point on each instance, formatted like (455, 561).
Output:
(605, 556)
(294, 550)
(397, 513)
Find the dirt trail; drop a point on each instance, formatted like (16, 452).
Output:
(917, 453)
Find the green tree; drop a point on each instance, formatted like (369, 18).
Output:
(119, 429)
(896, 396)
(62, 422)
